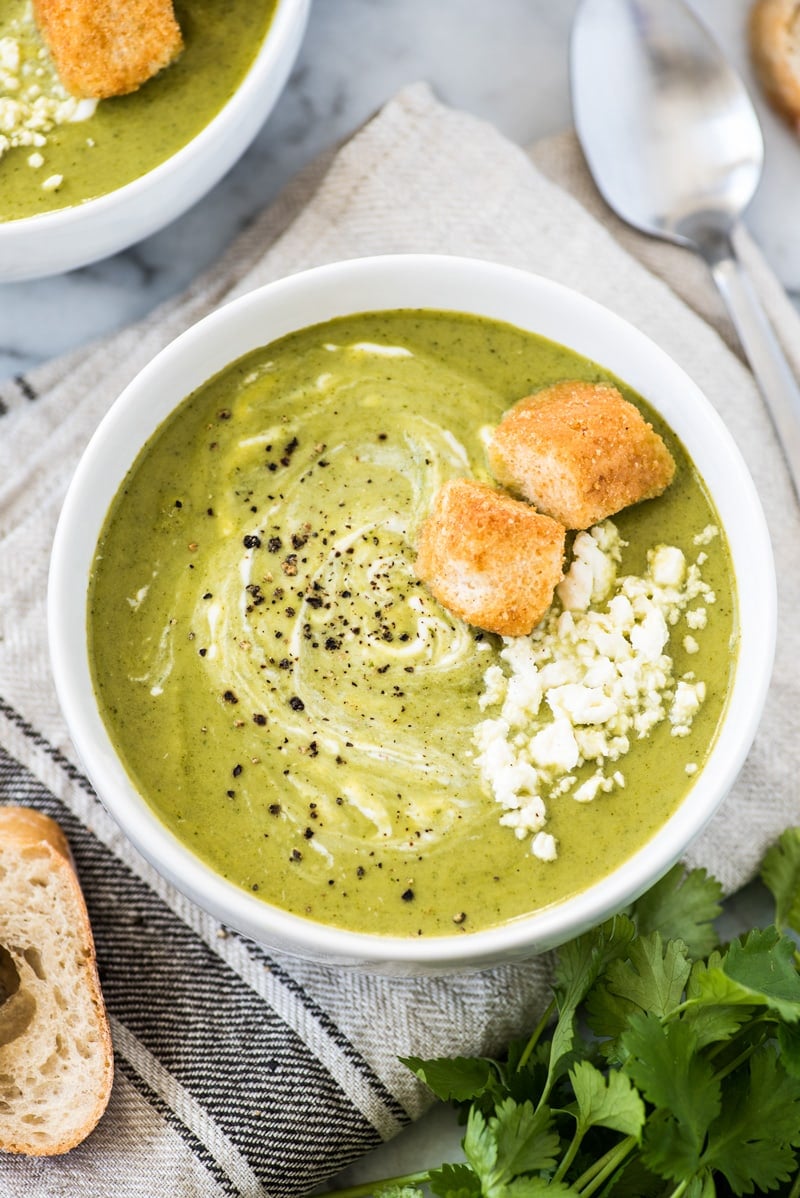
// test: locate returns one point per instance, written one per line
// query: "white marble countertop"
(505, 61)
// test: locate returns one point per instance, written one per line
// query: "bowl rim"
(280, 34)
(527, 934)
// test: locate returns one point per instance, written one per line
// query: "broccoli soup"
(56, 152)
(299, 709)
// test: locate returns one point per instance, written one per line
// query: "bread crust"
(490, 559)
(22, 826)
(774, 36)
(105, 48)
(36, 841)
(579, 452)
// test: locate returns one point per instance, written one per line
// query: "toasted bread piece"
(579, 452)
(56, 1059)
(107, 48)
(774, 34)
(490, 559)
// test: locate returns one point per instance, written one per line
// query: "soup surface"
(291, 700)
(129, 135)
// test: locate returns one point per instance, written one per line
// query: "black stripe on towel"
(197, 1147)
(27, 390)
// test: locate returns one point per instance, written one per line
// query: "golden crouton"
(107, 48)
(774, 33)
(490, 559)
(579, 452)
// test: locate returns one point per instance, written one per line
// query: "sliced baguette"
(56, 1059)
(774, 32)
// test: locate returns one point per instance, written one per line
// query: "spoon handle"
(772, 372)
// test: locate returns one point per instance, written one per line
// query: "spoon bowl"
(688, 152)
(673, 142)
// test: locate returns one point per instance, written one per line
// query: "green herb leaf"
(579, 964)
(672, 1146)
(611, 1101)
(651, 979)
(780, 873)
(682, 906)
(710, 1020)
(458, 1080)
(516, 1140)
(581, 961)
(454, 1181)
(663, 1062)
(535, 1187)
(757, 971)
(701, 1186)
(751, 1140)
(789, 1044)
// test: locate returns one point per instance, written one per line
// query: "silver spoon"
(675, 148)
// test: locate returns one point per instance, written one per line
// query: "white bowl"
(409, 281)
(71, 237)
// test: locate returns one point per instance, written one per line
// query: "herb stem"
(537, 1031)
(368, 1188)
(737, 1061)
(569, 1155)
(602, 1169)
(794, 1192)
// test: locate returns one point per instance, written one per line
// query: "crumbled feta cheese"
(591, 574)
(706, 536)
(544, 846)
(689, 696)
(32, 98)
(52, 182)
(588, 681)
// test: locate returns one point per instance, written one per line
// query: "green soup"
(289, 698)
(129, 135)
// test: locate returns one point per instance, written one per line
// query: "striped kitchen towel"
(240, 1073)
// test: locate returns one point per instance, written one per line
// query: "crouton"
(579, 452)
(489, 559)
(107, 48)
(774, 33)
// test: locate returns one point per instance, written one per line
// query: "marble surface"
(505, 61)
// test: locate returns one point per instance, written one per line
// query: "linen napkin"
(239, 1072)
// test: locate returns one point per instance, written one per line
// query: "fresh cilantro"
(455, 1080)
(666, 1066)
(682, 906)
(780, 873)
(517, 1140)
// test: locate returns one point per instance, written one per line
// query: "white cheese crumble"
(32, 98)
(594, 676)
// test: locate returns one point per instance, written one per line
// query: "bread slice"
(579, 452)
(490, 559)
(774, 33)
(56, 1060)
(105, 48)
